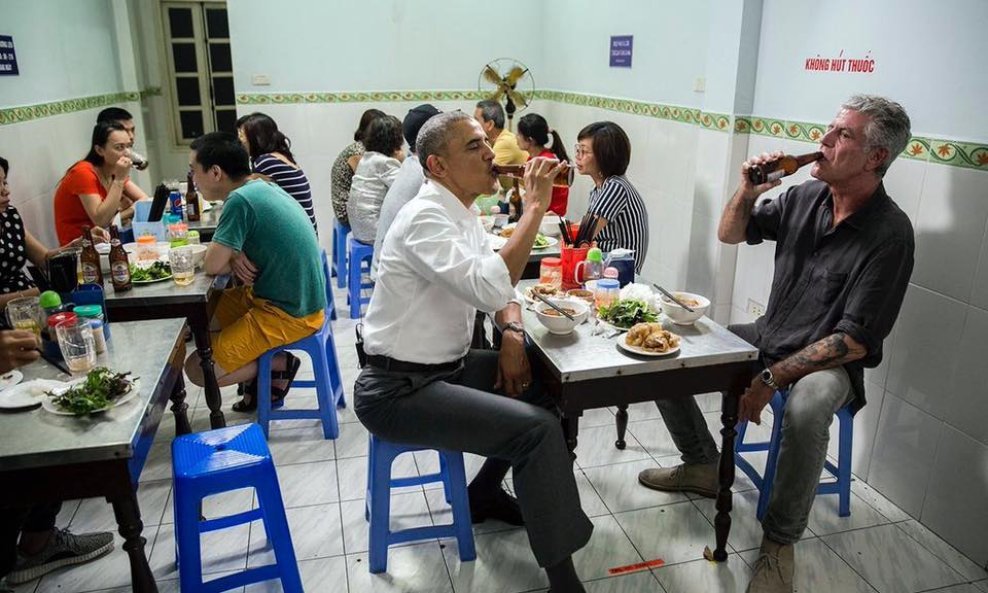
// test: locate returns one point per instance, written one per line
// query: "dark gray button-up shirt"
(850, 278)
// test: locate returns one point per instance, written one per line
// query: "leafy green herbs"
(541, 242)
(159, 270)
(97, 392)
(626, 313)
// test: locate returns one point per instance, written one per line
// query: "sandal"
(292, 365)
(249, 401)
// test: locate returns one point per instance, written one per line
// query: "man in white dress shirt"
(422, 383)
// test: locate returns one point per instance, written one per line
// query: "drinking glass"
(75, 338)
(25, 313)
(183, 265)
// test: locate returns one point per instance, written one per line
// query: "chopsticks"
(564, 230)
(672, 298)
(553, 305)
(54, 362)
(588, 227)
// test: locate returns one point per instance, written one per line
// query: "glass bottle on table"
(780, 167)
(192, 206)
(92, 272)
(119, 263)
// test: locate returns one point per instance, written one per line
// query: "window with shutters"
(200, 68)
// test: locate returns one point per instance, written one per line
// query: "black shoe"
(501, 506)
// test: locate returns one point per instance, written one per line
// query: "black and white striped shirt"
(618, 202)
(290, 179)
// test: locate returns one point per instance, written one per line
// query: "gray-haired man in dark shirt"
(843, 257)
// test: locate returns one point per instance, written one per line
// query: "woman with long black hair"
(271, 157)
(538, 139)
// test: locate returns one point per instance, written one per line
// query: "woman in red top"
(533, 135)
(91, 192)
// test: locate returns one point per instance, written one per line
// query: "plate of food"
(156, 272)
(625, 313)
(9, 379)
(541, 241)
(546, 290)
(27, 395)
(649, 339)
(99, 391)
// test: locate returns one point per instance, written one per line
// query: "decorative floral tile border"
(13, 115)
(944, 152)
(947, 152)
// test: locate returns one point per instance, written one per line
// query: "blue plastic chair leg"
(456, 474)
(844, 461)
(187, 538)
(380, 512)
(276, 528)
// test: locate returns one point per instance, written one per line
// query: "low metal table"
(584, 371)
(49, 458)
(165, 300)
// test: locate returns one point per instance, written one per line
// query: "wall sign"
(8, 61)
(621, 46)
(864, 65)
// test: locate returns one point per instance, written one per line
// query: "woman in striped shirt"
(271, 158)
(603, 152)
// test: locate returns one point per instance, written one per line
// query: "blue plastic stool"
(359, 253)
(328, 383)
(340, 232)
(377, 505)
(222, 460)
(842, 471)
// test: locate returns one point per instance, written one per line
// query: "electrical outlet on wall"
(755, 309)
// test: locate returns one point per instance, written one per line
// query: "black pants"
(457, 411)
(37, 519)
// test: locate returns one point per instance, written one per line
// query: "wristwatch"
(769, 379)
(513, 326)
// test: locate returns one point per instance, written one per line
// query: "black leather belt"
(386, 363)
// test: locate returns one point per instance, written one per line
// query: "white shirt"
(374, 175)
(436, 270)
(405, 187)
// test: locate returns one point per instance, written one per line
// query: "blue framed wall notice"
(8, 59)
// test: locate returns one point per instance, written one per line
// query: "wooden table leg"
(179, 407)
(571, 427)
(200, 330)
(622, 426)
(722, 522)
(128, 516)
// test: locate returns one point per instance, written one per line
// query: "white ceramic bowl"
(557, 324)
(681, 316)
(198, 254)
(550, 225)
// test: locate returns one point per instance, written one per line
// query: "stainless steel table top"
(38, 438)
(581, 356)
(166, 292)
(207, 220)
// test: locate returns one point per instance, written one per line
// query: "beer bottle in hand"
(564, 178)
(781, 167)
(191, 200)
(92, 272)
(119, 264)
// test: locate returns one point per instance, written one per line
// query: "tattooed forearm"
(833, 350)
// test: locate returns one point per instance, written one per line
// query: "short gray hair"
(888, 128)
(435, 135)
(491, 110)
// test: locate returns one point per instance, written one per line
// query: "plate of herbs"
(99, 391)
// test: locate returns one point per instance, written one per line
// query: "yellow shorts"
(250, 326)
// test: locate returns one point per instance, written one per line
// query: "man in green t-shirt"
(265, 239)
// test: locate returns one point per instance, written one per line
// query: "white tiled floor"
(878, 548)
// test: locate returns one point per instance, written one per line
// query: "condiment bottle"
(607, 292)
(551, 271)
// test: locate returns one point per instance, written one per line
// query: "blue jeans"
(813, 401)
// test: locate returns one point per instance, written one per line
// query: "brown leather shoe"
(774, 569)
(698, 479)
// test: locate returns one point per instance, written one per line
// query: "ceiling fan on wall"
(509, 80)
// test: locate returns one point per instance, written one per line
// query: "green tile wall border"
(968, 155)
(14, 115)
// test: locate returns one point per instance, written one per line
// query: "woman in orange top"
(533, 135)
(91, 192)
